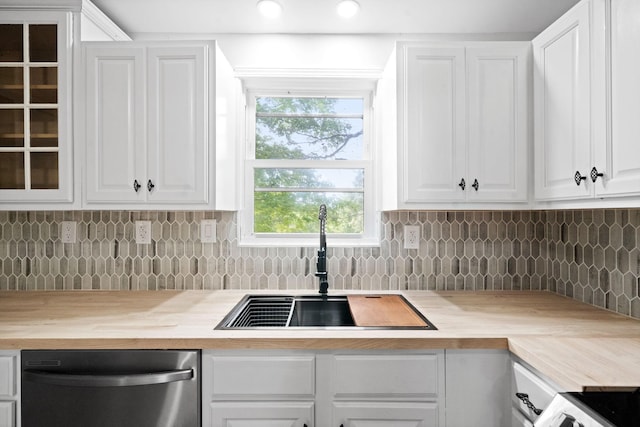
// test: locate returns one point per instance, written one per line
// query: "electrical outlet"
(412, 237)
(208, 231)
(143, 232)
(68, 232)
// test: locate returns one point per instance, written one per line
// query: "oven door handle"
(106, 380)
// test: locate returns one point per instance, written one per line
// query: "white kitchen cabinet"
(385, 389)
(9, 389)
(462, 123)
(478, 386)
(374, 414)
(498, 134)
(562, 106)
(526, 385)
(323, 389)
(35, 107)
(150, 124)
(617, 62)
(241, 389)
(263, 414)
(431, 122)
(587, 103)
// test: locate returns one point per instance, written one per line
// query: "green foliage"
(301, 138)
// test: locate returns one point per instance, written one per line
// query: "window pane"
(309, 128)
(44, 128)
(11, 85)
(11, 43)
(291, 212)
(44, 85)
(43, 43)
(44, 171)
(11, 128)
(12, 171)
(308, 178)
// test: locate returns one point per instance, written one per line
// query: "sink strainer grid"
(268, 312)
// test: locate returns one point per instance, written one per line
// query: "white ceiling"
(318, 16)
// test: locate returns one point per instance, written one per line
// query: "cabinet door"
(562, 115)
(178, 144)
(7, 414)
(497, 112)
(432, 128)
(35, 107)
(261, 414)
(376, 414)
(115, 143)
(619, 156)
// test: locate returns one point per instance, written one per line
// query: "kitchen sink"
(318, 311)
(301, 311)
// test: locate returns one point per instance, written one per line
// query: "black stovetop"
(619, 408)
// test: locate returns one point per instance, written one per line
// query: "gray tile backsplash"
(589, 255)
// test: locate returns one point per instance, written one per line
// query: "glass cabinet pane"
(12, 171)
(43, 43)
(44, 128)
(11, 85)
(43, 85)
(44, 171)
(11, 43)
(11, 128)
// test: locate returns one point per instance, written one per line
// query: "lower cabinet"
(324, 389)
(9, 389)
(528, 391)
(478, 385)
(375, 414)
(268, 414)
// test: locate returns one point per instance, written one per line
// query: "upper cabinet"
(38, 99)
(35, 107)
(587, 100)
(150, 124)
(617, 154)
(462, 124)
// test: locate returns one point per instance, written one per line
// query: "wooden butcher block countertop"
(575, 344)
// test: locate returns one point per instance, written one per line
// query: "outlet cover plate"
(208, 231)
(68, 232)
(143, 232)
(412, 237)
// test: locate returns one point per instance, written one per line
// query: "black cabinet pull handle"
(136, 185)
(525, 399)
(150, 186)
(578, 178)
(475, 184)
(462, 185)
(595, 174)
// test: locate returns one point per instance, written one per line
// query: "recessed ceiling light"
(347, 8)
(269, 8)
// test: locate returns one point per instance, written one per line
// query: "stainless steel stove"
(592, 409)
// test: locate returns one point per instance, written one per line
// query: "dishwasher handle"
(106, 380)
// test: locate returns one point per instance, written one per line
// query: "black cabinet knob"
(595, 174)
(136, 185)
(150, 186)
(462, 184)
(578, 178)
(475, 184)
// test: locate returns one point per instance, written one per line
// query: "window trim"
(363, 87)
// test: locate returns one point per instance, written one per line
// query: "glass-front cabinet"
(35, 125)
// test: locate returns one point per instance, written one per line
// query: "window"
(307, 148)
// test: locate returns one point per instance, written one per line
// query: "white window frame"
(308, 87)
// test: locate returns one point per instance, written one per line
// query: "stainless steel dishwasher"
(114, 388)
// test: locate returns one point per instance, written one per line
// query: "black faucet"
(321, 264)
